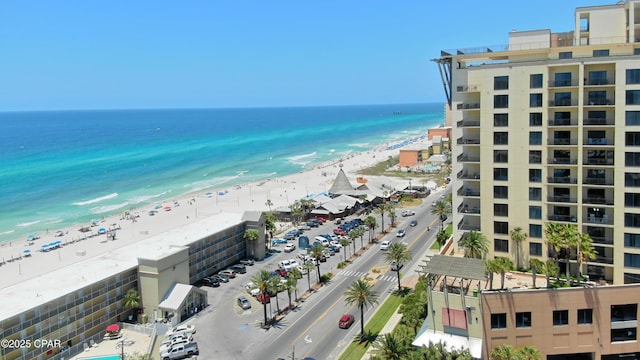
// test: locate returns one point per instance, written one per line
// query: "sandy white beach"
(282, 191)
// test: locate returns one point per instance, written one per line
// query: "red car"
(338, 231)
(321, 219)
(345, 321)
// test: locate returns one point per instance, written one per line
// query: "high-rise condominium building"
(546, 130)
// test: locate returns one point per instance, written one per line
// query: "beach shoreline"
(187, 208)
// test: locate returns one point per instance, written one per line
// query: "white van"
(322, 240)
(285, 265)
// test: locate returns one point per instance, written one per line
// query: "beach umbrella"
(26, 251)
(113, 328)
(167, 208)
(44, 247)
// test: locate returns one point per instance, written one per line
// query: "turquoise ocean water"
(65, 168)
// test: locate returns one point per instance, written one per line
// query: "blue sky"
(184, 54)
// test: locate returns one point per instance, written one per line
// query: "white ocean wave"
(29, 223)
(360, 145)
(301, 159)
(7, 232)
(108, 208)
(210, 183)
(145, 198)
(98, 199)
(54, 221)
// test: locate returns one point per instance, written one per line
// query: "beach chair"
(93, 343)
(86, 347)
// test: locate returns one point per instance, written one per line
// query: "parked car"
(385, 245)
(244, 303)
(181, 329)
(174, 341)
(304, 227)
(413, 223)
(346, 321)
(239, 268)
(322, 219)
(220, 278)
(180, 351)
(247, 262)
(330, 251)
(302, 270)
(400, 233)
(338, 231)
(285, 265)
(289, 248)
(314, 222)
(230, 273)
(281, 272)
(207, 281)
(289, 236)
(335, 248)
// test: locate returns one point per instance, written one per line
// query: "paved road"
(310, 331)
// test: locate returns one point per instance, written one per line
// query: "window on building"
(632, 118)
(632, 260)
(598, 98)
(500, 227)
(631, 200)
(500, 209)
(562, 79)
(501, 101)
(632, 220)
(535, 100)
(596, 117)
(627, 334)
(535, 81)
(632, 138)
(535, 212)
(535, 119)
(630, 278)
(500, 120)
(500, 245)
(632, 159)
(535, 249)
(499, 321)
(535, 175)
(560, 317)
(631, 240)
(535, 157)
(501, 83)
(523, 319)
(632, 179)
(500, 192)
(598, 78)
(535, 194)
(562, 118)
(633, 76)
(585, 316)
(535, 138)
(500, 138)
(501, 174)
(565, 55)
(600, 53)
(562, 99)
(633, 97)
(535, 231)
(500, 156)
(636, 51)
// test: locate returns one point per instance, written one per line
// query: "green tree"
(381, 210)
(504, 265)
(392, 214)
(475, 245)
(132, 301)
(491, 267)
(262, 281)
(269, 204)
(537, 266)
(585, 252)
(503, 352)
(518, 236)
(390, 347)
(308, 267)
(290, 286)
(550, 268)
(561, 238)
(352, 236)
(371, 222)
(251, 235)
(529, 353)
(296, 211)
(317, 251)
(345, 245)
(270, 220)
(361, 294)
(295, 275)
(360, 230)
(274, 287)
(441, 238)
(442, 209)
(399, 254)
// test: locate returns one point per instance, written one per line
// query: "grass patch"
(356, 350)
(435, 246)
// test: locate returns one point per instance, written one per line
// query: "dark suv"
(210, 282)
(239, 268)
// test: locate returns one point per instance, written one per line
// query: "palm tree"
(269, 203)
(296, 211)
(270, 220)
(308, 266)
(585, 252)
(491, 267)
(518, 236)
(503, 352)
(262, 282)
(345, 244)
(132, 300)
(317, 250)
(353, 235)
(380, 210)
(504, 264)
(475, 245)
(371, 222)
(390, 347)
(442, 209)
(392, 214)
(561, 237)
(536, 266)
(399, 254)
(360, 294)
(294, 275)
(360, 230)
(551, 268)
(441, 238)
(251, 235)
(291, 285)
(275, 286)
(529, 353)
